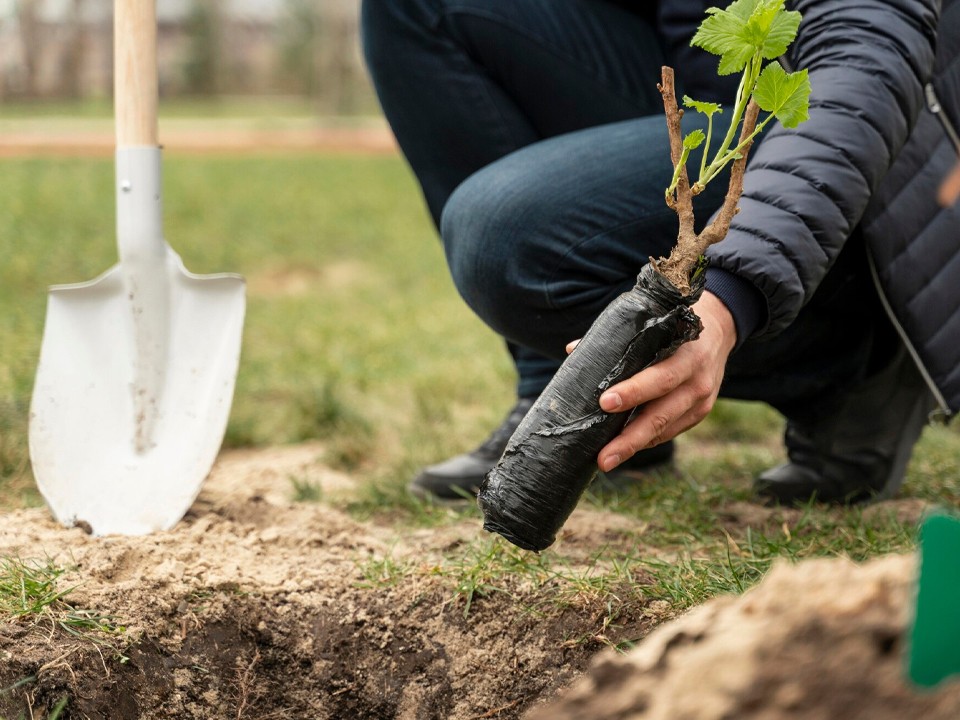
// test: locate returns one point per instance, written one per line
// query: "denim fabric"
(465, 82)
(536, 131)
(540, 241)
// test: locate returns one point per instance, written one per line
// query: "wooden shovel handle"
(135, 71)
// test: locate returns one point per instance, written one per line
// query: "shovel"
(137, 367)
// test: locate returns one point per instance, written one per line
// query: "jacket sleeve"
(806, 189)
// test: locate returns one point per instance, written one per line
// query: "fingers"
(676, 393)
(655, 424)
(571, 346)
(654, 382)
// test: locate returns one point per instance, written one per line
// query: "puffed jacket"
(881, 137)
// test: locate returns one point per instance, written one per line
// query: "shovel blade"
(87, 461)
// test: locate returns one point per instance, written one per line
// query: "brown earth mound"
(822, 640)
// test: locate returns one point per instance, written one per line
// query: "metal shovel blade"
(136, 376)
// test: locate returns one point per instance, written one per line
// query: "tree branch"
(717, 230)
(690, 246)
(681, 201)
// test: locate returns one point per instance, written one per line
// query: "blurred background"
(277, 165)
(305, 50)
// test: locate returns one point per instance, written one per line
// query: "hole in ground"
(396, 652)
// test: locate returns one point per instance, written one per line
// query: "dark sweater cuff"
(743, 300)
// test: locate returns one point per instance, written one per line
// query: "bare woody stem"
(690, 246)
(717, 230)
(681, 200)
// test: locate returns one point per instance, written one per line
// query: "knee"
(487, 230)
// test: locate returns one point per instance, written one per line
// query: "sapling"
(551, 457)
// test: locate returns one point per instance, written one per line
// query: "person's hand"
(677, 393)
(950, 189)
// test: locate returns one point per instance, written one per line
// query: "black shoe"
(459, 477)
(859, 452)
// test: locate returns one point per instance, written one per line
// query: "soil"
(820, 640)
(256, 607)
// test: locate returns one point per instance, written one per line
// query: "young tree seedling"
(746, 35)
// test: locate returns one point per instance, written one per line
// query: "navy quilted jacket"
(886, 92)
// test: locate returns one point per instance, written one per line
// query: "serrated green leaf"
(760, 22)
(707, 108)
(745, 28)
(724, 33)
(734, 61)
(786, 95)
(780, 34)
(744, 9)
(694, 139)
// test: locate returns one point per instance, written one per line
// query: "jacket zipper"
(933, 104)
(941, 413)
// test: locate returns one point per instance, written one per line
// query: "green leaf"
(707, 108)
(724, 33)
(760, 21)
(694, 139)
(744, 9)
(780, 34)
(744, 29)
(786, 95)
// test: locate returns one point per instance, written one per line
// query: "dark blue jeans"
(536, 131)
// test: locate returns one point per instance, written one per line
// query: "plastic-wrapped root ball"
(552, 456)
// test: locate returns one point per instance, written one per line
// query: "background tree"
(202, 67)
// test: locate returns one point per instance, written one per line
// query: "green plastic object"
(935, 641)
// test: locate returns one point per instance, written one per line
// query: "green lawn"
(266, 107)
(355, 335)
(354, 332)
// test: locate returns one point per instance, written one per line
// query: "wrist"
(717, 320)
(743, 300)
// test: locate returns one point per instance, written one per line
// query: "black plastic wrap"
(552, 456)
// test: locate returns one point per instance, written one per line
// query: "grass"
(306, 491)
(31, 591)
(356, 336)
(354, 333)
(29, 588)
(277, 108)
(383, 570)
(490, 565)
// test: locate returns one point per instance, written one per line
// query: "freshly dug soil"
(258, 607)
(821, 640)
